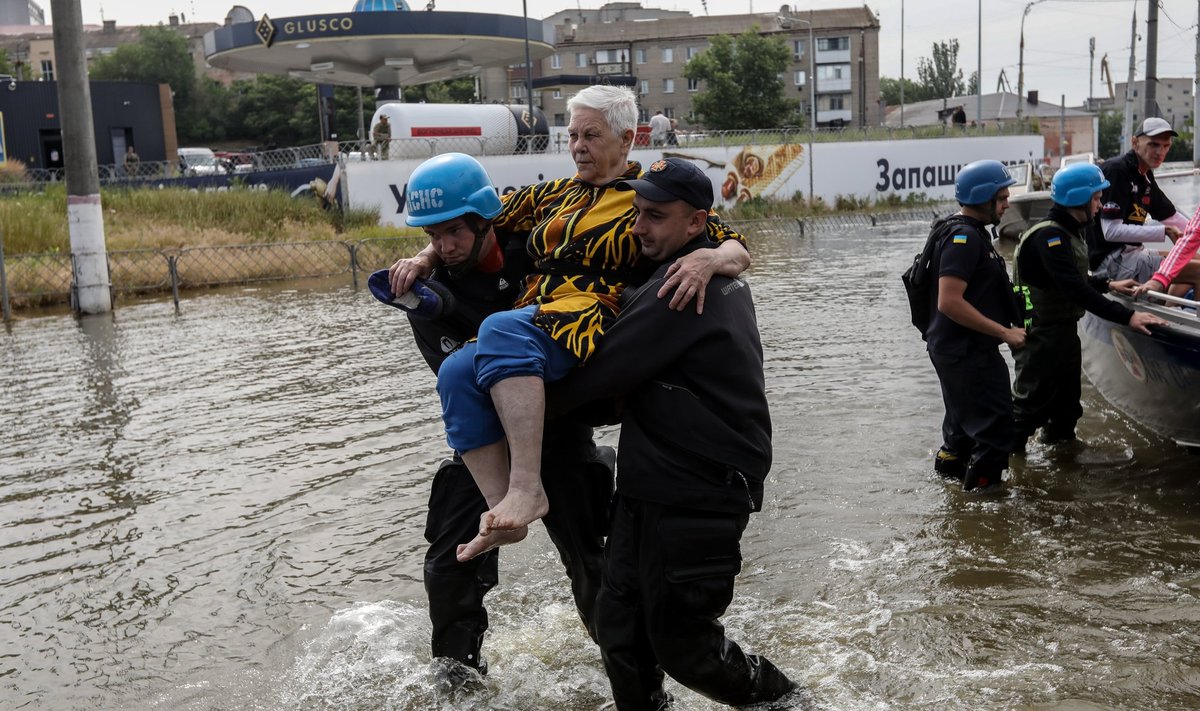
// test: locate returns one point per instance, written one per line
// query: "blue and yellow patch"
(1053, 241)
(960, 239)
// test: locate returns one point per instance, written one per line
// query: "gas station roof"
(369, 49)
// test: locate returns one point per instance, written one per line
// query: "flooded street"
(224, 508)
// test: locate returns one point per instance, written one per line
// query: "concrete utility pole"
(85, 218)
(1196, 99)
(979, 70)
(1127, 124)
(1151, 62)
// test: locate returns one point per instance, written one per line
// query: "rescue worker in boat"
(972, 314)
(1116, 248)
(1050, 271)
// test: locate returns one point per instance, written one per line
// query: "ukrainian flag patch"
(960, 239)
(1053, 241)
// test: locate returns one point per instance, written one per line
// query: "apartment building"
(1172, 94)
(21, 12)
(624, 43)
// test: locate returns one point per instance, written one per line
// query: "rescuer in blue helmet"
(1050, 270)
(971, 313)
(451, 198)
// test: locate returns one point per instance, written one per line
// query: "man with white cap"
(1115, 244)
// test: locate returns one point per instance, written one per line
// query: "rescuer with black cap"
(694, 450)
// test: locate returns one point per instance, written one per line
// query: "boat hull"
(1024, 211)
(1154, 379)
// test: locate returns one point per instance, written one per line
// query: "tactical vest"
(1047, 305)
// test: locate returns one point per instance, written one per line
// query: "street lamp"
(812, 89)
(1021, 61)
(528, 79)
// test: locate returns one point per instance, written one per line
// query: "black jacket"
(1131, 197)
(477, 295)
(1054, 267)
(695, 428)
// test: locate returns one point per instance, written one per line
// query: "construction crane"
(1106, 75)
(1002, 83)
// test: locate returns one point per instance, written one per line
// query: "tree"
(1109, 143)
(159, 56)
(942, 76)
(454, 91)
(889, 91)
(275, 111)
(742, 89)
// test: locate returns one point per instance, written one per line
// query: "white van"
(199, 161)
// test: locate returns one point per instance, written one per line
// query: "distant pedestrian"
(660, 125)
(132, 161)
(381, 136)
(959, 118)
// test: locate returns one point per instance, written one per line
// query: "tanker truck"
(425, 130)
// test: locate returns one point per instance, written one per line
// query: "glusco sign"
(323, 24)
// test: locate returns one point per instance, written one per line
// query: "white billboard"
(868, 169)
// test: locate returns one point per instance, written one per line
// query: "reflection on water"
(224, 509)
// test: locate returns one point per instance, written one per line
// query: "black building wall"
(122, 113)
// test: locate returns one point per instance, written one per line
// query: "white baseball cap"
(1154, 126)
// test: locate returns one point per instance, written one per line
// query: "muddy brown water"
(223, 509)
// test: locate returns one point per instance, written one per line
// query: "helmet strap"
(480, 229)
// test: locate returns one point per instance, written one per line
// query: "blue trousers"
(509, 346)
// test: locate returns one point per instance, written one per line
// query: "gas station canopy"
(393, 47)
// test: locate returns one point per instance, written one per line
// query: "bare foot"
(484, 542)
(519, 508)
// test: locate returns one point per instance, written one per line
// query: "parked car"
(199, 161)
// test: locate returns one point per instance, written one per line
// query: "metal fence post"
(173, 270)
(4, 308)
(353, 247)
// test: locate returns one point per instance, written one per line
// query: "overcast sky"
(1056, 31)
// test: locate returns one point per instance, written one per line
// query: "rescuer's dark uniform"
(1050, 266)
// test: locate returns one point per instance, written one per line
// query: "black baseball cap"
(672, 179)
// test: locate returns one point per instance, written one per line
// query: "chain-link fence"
(45, 279)
(243, 162)
(31, 280)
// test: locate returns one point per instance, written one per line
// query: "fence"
(32, 280)
(243, 162)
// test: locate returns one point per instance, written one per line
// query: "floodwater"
(223, 509)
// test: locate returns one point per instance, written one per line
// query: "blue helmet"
(1075, 185)
(979, 182)
(448, 186)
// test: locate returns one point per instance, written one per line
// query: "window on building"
(644, 87)
(557, 93)
(693, 85)
(798, 78)
(516, 91)
(832, 44)
(48, 69)
(604, 56)
(693, 51)
(833, 71)
(669, 112)
(668, 86)
(837, 102)
(560, 119)
(581, 59)
(797, 49)
(639, 56)
(668, 55)
(556, 62)
(643, 115)
(691, 117)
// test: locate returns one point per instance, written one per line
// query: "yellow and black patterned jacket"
(584, 254)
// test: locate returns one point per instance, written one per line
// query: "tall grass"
(148, 218)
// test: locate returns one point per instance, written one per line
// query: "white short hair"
(617, 103)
